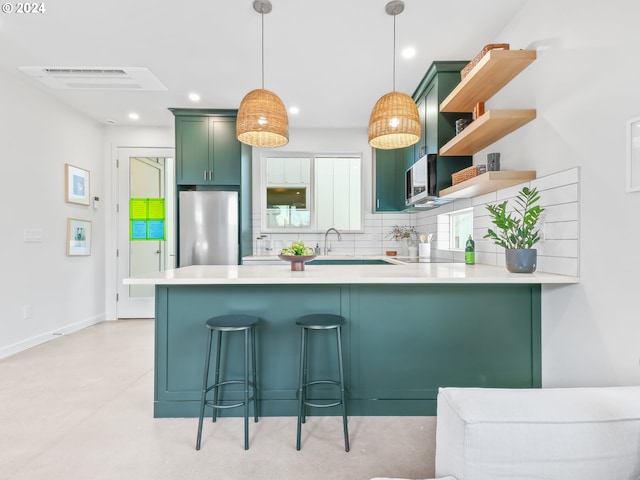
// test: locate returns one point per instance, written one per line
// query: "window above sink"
(311, 192)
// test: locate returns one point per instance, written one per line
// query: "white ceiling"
(331, 58)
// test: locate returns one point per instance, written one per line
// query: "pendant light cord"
(394, 52)
(262, 17)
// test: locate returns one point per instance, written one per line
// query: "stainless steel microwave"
(421, 181)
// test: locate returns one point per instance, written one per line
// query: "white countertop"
(399, 273)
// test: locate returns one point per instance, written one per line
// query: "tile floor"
(80, 407)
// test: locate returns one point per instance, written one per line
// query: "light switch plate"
(33, 235)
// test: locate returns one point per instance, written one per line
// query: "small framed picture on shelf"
(633, 155)
(77, 186)
(78, 237)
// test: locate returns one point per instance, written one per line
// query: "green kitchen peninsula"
(412, 328)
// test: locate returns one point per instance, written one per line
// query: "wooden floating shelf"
(485, 130)
(486, 183)
(494, 71)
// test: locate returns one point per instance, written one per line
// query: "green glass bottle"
(470, 252)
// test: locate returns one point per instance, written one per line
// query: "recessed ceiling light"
(409, 52)
(294, 110)
(194, 97)
(134, 116)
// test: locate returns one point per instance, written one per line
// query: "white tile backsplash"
(558, 252)
(559, 179)
(560, 230)
(558, 248)
(565, 212)
(372, 241)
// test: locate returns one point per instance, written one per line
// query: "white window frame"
(313, 227)
(446, 230)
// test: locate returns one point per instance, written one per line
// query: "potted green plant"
(409, 235)
(516, 231)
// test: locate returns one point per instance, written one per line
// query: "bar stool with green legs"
(229, 324)
(308, 323)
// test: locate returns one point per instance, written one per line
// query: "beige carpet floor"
(80, 407)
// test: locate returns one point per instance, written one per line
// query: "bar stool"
(228, 324)
(321, 321)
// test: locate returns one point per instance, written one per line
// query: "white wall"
(584, 86)
(38, 136)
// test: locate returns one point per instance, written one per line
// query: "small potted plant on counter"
(297, 254)
(409, 235)
(516, 231)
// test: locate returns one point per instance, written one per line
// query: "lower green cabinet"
(401, 342)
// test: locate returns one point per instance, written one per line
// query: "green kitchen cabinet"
(437, 128)
(419, 149)
(207, 150)
(402, 342)
(389, 182)
(390, 166)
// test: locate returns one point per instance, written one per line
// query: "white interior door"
(143, 174)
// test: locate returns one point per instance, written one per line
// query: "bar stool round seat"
(229, 324)
(308, 323)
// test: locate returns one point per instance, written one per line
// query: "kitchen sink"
(349, 261)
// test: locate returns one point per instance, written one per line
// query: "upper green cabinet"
(437, 128)
(207, 150)
(420, 149)
(389, 170)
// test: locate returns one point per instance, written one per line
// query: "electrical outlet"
(26, 312)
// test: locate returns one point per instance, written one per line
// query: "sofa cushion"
(564, 433)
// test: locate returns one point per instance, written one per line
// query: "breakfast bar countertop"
(395, 273)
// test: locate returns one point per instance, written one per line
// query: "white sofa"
(550, 433)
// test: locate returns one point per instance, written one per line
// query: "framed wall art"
(77, 186)
(78, 237)
(633, 155)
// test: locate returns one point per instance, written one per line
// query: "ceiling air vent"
(96, 78)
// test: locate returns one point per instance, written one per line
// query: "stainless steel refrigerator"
(208, 228)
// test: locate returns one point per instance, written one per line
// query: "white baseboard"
(48, 336)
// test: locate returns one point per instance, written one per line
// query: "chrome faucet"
(326, 245)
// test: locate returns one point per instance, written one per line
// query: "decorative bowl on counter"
(297, 261)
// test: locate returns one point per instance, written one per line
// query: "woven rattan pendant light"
(262, 119)
(394, 121)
